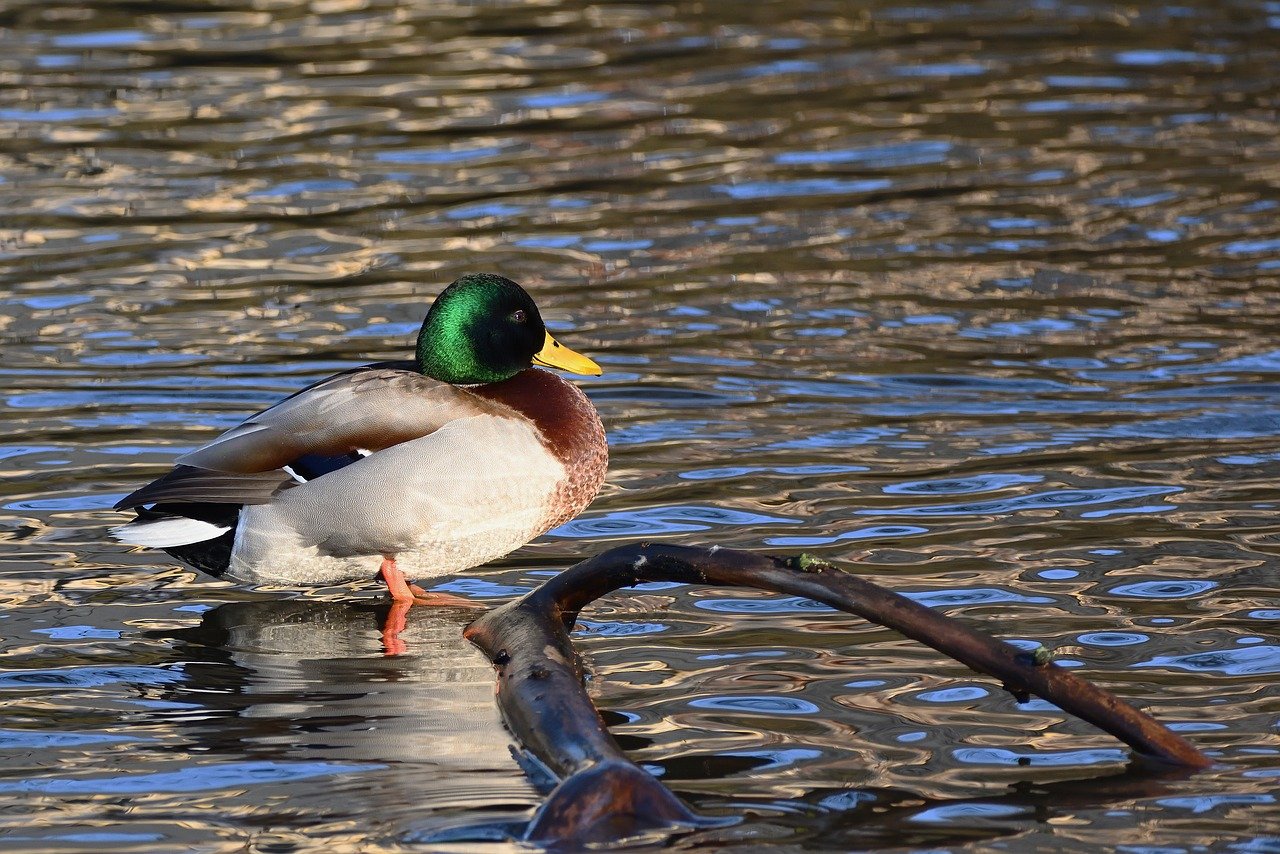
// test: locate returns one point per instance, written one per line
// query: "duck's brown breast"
(570, 429)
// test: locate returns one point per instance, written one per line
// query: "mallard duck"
(410, 469)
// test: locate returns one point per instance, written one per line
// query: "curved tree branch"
(605, 796)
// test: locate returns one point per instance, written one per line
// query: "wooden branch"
(603, 796)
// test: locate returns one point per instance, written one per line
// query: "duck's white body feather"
(487, 491)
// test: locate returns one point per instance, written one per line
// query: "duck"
(402, 470)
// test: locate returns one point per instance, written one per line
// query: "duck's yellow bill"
(555, 355)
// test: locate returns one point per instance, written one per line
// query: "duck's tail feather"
(190, 485)
(168, 532)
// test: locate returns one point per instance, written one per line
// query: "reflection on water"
(272, 710)
(979, 297)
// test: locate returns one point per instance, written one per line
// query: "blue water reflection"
(929, 598)
(772, 605)
(78, 632)
(1002, 756)
(872, 532)
(1113, 638)
(1036, 501)
(89, 677)
(16, 739)
(617, 630)
(758, 653)
(884, 156)
(197, 778)
(663, 520)
(1247, 661)
(953, 695)
(780, 758)
(741, 471)
(756, 705)
(1163, 589)
(961, 486)
(960, 813)
(1204, 803)
(764, 190)
(973, 596)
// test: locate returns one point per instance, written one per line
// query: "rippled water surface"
(980, 296)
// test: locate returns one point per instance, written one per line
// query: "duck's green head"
(485, 329)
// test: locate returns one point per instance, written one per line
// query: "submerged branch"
(604, 796)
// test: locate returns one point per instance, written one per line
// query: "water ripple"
(873, 532)
(1052, 499)
(89, 677)
(14, 739)
(1246, 661)
(482, 588)
(1204, 803)
(727, 472)
(783, 605)
(765, 190)
(961, 486)
(1163, 589)
(618, 630)
(964, 813)
(201, 778)
(77, 632)
(953, 695)
(1001, 756)
(1113, 638)
(756, 705)
(663, 520)
(780, 758)
(973, 596)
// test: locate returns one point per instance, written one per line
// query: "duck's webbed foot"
(426, 597)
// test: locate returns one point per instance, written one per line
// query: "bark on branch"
(603, 796)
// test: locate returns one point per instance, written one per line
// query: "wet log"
(602, 796)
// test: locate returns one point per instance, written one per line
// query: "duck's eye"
(519, 316)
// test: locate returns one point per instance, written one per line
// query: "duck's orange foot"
(426, 597)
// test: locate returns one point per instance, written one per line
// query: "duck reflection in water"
(305, 680)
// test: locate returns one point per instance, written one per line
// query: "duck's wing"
(187, 484)
(319, 428)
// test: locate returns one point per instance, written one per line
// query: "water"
(980, 297)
